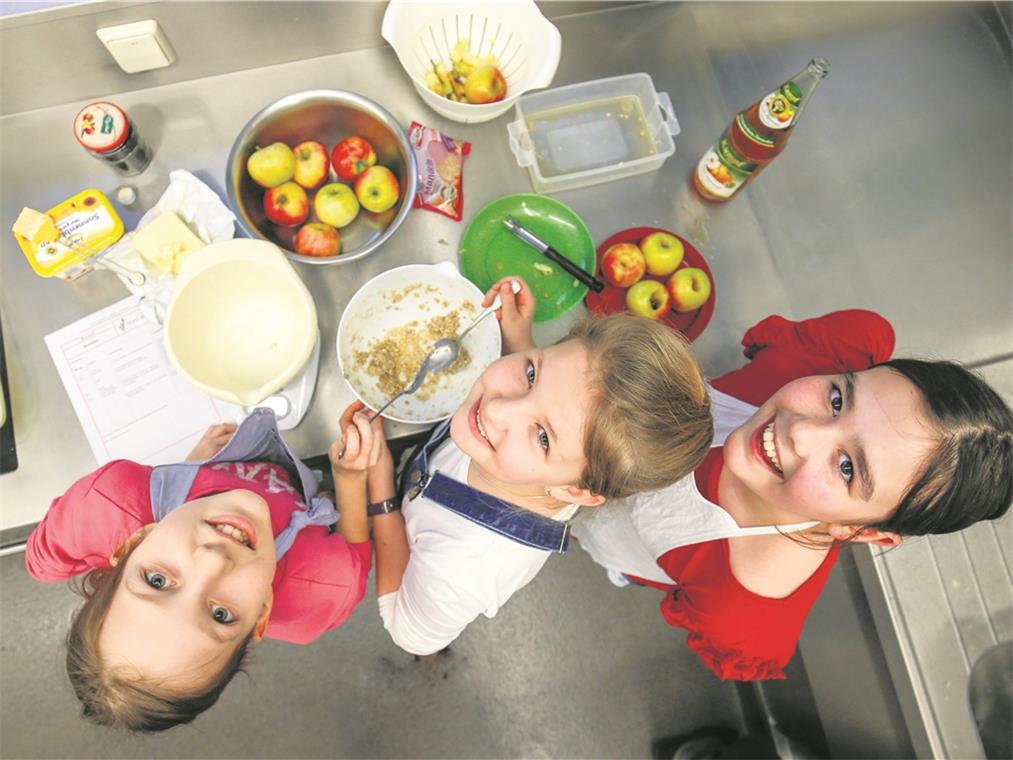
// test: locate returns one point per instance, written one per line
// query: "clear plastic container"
(593, 132)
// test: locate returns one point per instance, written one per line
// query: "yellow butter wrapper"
(87, 223)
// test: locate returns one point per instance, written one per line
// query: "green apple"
(335, 204)
(648, 298)
(271, 166)
(689, 288)
(662, 252)
(377, 189)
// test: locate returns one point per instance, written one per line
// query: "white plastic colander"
(525, 43)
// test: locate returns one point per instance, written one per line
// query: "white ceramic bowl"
(382, 305)
(240, 323)
(526, 45)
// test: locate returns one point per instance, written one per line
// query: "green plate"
(489, 251)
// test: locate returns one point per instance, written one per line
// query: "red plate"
(613, 299)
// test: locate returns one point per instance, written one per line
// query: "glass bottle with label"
(756, 135)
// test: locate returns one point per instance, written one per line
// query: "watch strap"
(384, 507)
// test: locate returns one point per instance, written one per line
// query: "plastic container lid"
(101, 127)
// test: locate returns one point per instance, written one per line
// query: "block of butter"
(37, 228)
(164, 242)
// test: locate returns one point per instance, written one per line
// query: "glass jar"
(103, 129)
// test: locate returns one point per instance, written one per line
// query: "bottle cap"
(126, 195)
(101, 127)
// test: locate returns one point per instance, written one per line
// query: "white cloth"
(457, 569)
(629, 535)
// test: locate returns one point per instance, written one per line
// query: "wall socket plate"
(138, 46)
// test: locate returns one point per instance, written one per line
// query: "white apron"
(629, 535)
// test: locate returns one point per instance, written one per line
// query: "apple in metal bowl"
(327, 117)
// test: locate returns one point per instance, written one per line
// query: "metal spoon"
(437, 359)
(446, 350)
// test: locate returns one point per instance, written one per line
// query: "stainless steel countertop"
(894, 193)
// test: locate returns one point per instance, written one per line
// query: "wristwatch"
(384, 507)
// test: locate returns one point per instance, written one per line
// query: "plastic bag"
(441, 170)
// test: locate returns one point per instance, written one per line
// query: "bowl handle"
(520, 144)
(667, 114)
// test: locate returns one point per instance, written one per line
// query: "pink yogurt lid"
(101, 127)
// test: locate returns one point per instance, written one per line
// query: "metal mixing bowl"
(326, 116)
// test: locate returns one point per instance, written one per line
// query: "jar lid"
(101, 127)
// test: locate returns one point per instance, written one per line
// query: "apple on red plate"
(673, 266)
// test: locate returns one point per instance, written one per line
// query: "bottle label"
(750, 133)
(722, 171)
(779, 108)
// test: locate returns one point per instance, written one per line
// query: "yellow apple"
(335, 204)
(689, 288)
(648, 298)
(377, 189)
(662, 252)
(485, 84)
(271, 166)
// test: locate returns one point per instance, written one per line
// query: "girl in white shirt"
(615, 408)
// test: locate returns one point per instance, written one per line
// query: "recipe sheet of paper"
(126, 393)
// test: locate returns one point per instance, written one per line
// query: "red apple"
(622, 264)
(335, 204)
(317, 239)
(485, 84)
(351, 157)
(286, 204)
(648, 298)
(690, 288)
(663, 253)
(311, 164)
(377, 189)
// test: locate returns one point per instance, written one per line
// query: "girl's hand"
(360, 446)
(213, 441)
(516, 314)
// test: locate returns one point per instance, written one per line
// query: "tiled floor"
(571, 667)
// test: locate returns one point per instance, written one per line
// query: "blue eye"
(836, 400)
(222, 614)
(530, 372)
(845, 466)
(156, 580)
(543, 438)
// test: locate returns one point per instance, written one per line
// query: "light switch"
(139, 46)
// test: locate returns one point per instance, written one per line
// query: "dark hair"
(969, 475)
(114, 698)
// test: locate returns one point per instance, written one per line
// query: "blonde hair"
(650, 423)
(111, 697)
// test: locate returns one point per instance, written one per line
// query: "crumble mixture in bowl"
(388, 328)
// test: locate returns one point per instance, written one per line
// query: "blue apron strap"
(509, 520)
(257, 439)
(412, 479)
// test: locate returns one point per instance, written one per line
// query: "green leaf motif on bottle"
(750, 132)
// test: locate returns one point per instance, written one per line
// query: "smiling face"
(522, 422)
(193, 589)
(840, 449)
